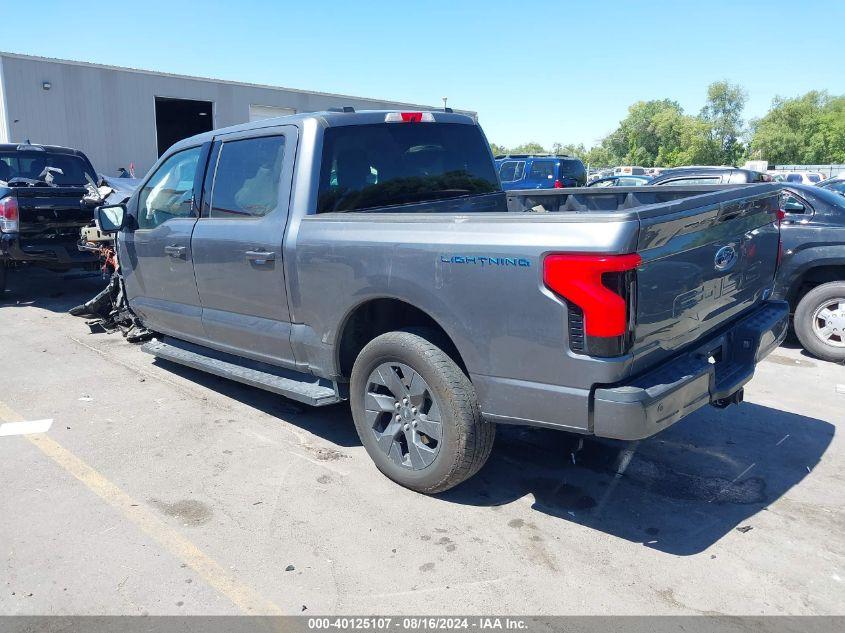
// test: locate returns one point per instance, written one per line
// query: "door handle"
(176, 251)
(260, 257)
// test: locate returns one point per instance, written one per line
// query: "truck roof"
(328, 118)
(26, 146)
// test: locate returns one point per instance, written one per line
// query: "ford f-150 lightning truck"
(374, 256)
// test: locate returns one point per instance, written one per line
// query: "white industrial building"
(122, 116)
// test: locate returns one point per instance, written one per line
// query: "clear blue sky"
(534, 71)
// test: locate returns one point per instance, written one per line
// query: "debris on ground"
(744, 529)
(109, 311)
(290, 568)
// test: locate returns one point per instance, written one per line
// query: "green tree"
(641, 130)
(598, 157)
(809, 129)
(570, 149)
(528, 148)
(498, 150)
(723, 113)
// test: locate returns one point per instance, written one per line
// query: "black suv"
(811, 275)
(41, 208)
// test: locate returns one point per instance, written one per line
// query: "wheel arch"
(813, 273)
(378, 315)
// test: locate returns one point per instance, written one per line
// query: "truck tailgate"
(702, 266)
(52, 212)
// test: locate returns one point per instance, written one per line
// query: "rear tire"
(417, 413)
(819, 321)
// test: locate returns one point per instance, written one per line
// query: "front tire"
(417, 413)
(819, 321)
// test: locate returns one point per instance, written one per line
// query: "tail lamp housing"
(600, 292)
(9, 215)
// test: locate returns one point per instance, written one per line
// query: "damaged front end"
(108, 311)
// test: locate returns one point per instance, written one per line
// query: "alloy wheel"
(403, 415)
(829, 322)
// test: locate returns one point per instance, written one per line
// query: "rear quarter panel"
(503, 321)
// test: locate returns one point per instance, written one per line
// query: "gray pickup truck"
(373, 256)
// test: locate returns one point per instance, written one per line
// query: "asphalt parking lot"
(162, 490)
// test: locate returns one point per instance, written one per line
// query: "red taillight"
(409, 117)
(781, 215)
(600, 287)
(9, 215)
(558, 184)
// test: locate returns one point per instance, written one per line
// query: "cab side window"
(170, 192)
(246, 180)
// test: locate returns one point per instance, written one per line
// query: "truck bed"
(681, 293)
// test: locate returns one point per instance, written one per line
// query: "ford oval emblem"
(726, 258)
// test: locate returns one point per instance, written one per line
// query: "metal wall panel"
(109, 113)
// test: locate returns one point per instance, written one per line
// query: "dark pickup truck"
(41, 208)
(374, 256)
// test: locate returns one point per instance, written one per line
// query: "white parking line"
(25, 427)
(223, 580)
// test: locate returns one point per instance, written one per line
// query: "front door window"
(169, 193)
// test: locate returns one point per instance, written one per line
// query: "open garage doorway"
(180, 118)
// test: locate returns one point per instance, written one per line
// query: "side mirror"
(111, 218)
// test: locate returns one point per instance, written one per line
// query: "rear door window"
(385, 165)
(512, 170)
(246, 179)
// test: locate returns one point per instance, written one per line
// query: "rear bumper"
(714, 372)
(59, 253)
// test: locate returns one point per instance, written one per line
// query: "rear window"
(835, 185)
(32, 164)
(794, 178)
(814, 177)
(390, 164)
(573, 168)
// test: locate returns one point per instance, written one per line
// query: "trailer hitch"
(735, 398)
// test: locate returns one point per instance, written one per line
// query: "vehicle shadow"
(331, 422)
(678, 492)
(53, 291)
